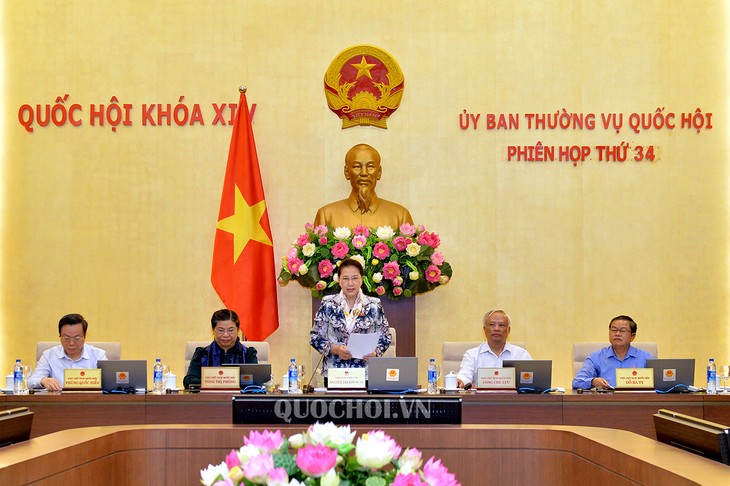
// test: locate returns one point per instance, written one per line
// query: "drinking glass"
(27, 371)
(724, 376)
(301, 371)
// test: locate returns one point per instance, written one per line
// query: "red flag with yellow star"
(244, 275)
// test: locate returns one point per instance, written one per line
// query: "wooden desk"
(477, 454)
(628, 411)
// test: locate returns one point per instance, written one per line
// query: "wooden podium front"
(401, 315)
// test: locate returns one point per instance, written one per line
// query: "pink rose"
(321, 285)
(411, 479)
(407, 229)
(325, 268)
(323, 240)
(293, 265)
(391, 270)
(316, 460)
(397, 291)
(257, 468)
(381, 250)
(362, 230)
(293, 252)
(437, 258)
(265, 441)
(281, 281)
(436, 474)
(380, 290)
(399, 243)
(433, 273)
(398, 280)
(359, 241)
(340, 250)
(303, 239)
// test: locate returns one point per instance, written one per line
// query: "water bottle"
(158, 385)
(293, 377)
(433, 376)
(18, 378)
(711, 377)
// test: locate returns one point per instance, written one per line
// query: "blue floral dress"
(330, 328)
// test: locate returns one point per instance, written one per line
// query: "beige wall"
(119, 226)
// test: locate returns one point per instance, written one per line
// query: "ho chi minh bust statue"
(363, 206)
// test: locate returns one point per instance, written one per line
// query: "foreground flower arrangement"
(397, 263)
(325, 455)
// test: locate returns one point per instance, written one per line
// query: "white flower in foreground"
(376, 449)
(308, 249)
(329, 434)
(384, 233)
(330, 478)
(212, 473)
(342, 233)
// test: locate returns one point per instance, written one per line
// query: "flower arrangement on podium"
(397, 263)
(325, 455)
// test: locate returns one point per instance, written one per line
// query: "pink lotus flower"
(316, 460)
(325, 268)
(391, 270)
(429, 239)
(278, 477)
(303, 239)
(359, 241)
(232, 459)
(257, 468)
(362, 230)
(308, 226)
(320, 230)
(400, 243)
(433, 273)
(411, 479)
(436, 474)
(407, 229)
(293, 265)
(437, 258)
(340, 250)
(265, 441)
(323, 240)
(381, 250)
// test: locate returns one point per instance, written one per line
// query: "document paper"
(362, 344)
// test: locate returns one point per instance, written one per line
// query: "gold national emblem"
(363, 86)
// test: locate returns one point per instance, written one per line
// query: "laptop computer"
(531, 375)
(672, 375)
(123, 375)
(253, 373)
(393, 375)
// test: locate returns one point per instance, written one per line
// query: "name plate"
(636, 378)
(495, 379)
(82, 378)
(346, 378)
(220, 378)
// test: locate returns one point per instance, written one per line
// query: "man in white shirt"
(73, 352)
(491, 353)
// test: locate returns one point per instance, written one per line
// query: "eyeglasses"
(623, 330)
(496, 325)
(68, 339)
(221, 332)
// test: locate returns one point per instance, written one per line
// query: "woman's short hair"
(349, 262)
(224, 315)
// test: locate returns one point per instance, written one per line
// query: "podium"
(401, 315)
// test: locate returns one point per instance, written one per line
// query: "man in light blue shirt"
(599, 369)
(73, 352)
(497, 326)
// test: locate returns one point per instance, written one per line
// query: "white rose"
(359, 259)
(444, 279)
(342, 233)
(384, 233)
(413, 275)
(377, 277)
(308, 249)
(413, 249)
(303, 269)
(296, 441)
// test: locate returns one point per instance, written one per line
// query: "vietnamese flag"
(244, 275)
